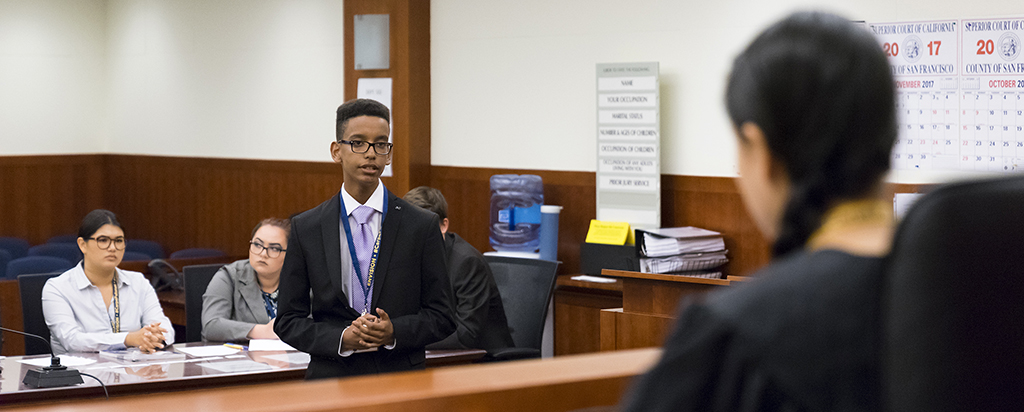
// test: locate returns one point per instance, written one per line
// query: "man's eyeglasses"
(272, 251)
(104, 242)
(359, 146)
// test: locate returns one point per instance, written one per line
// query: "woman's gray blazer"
(233, 304)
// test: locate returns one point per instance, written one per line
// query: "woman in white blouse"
(95, 306)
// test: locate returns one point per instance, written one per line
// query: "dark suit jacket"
(478, 309)
(410, 284)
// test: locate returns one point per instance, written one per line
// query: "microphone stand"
(51, 376)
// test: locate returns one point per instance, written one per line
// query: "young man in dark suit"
(479, 313)
(368, 266)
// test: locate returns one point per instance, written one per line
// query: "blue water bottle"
(515, 212)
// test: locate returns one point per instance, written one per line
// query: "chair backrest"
(525, 286)
(70, 238)
(69, 251)
(197, 278)
(148, 247)
(196, 253)
(136, 256)
(17, 246)
(31, 289)
(5, 258)
(953, 311)
(37, 264)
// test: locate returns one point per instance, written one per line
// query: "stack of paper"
(678, 240)
(689, 251)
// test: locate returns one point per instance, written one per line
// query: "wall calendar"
(960, 93)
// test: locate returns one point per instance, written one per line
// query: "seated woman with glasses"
(95, 306)
(241, 301)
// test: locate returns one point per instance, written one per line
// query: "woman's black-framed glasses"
(104, 242)
(272, 251)
(359, 146)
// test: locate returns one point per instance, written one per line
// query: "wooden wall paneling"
(205, 202)
(210, 202)
(409, 24)
(43, 196)
(714, 203)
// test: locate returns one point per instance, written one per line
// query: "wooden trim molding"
(212, 202)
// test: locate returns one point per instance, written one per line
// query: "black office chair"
(31, 290)
(525, 286)
(197, 278)
(954, 301)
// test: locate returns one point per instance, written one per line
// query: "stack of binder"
(687, 251)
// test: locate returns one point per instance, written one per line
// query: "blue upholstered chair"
(135, 256)
(69, 251)
(31, 265)
(196, 253)
(149, 247)
(5, 258)
(17, 246)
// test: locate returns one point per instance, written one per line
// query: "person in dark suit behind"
(812, 102)
(368, 266)
(478, 310)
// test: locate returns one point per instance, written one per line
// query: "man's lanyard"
(115, 324)
(366, 286)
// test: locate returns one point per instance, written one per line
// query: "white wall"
(224, 78)
(519, 76)
(512, 81)
(51, 76)
(210, 78)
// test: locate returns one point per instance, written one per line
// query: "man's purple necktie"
(363, 240)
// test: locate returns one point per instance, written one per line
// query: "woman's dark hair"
(284, 224)
(820, 89)
(95, 220)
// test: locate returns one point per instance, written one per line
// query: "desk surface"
(173, 373)
(563, 383)
(177, 373)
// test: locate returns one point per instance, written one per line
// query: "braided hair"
(820, 88)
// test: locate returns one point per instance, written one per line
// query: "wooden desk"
(173, 303)
(187, 373)
(145, 377)
(649, 304)
(555, 384)
(578, 307)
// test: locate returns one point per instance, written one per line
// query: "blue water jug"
(515, 212)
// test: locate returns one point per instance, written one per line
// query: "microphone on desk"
(51, 376)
